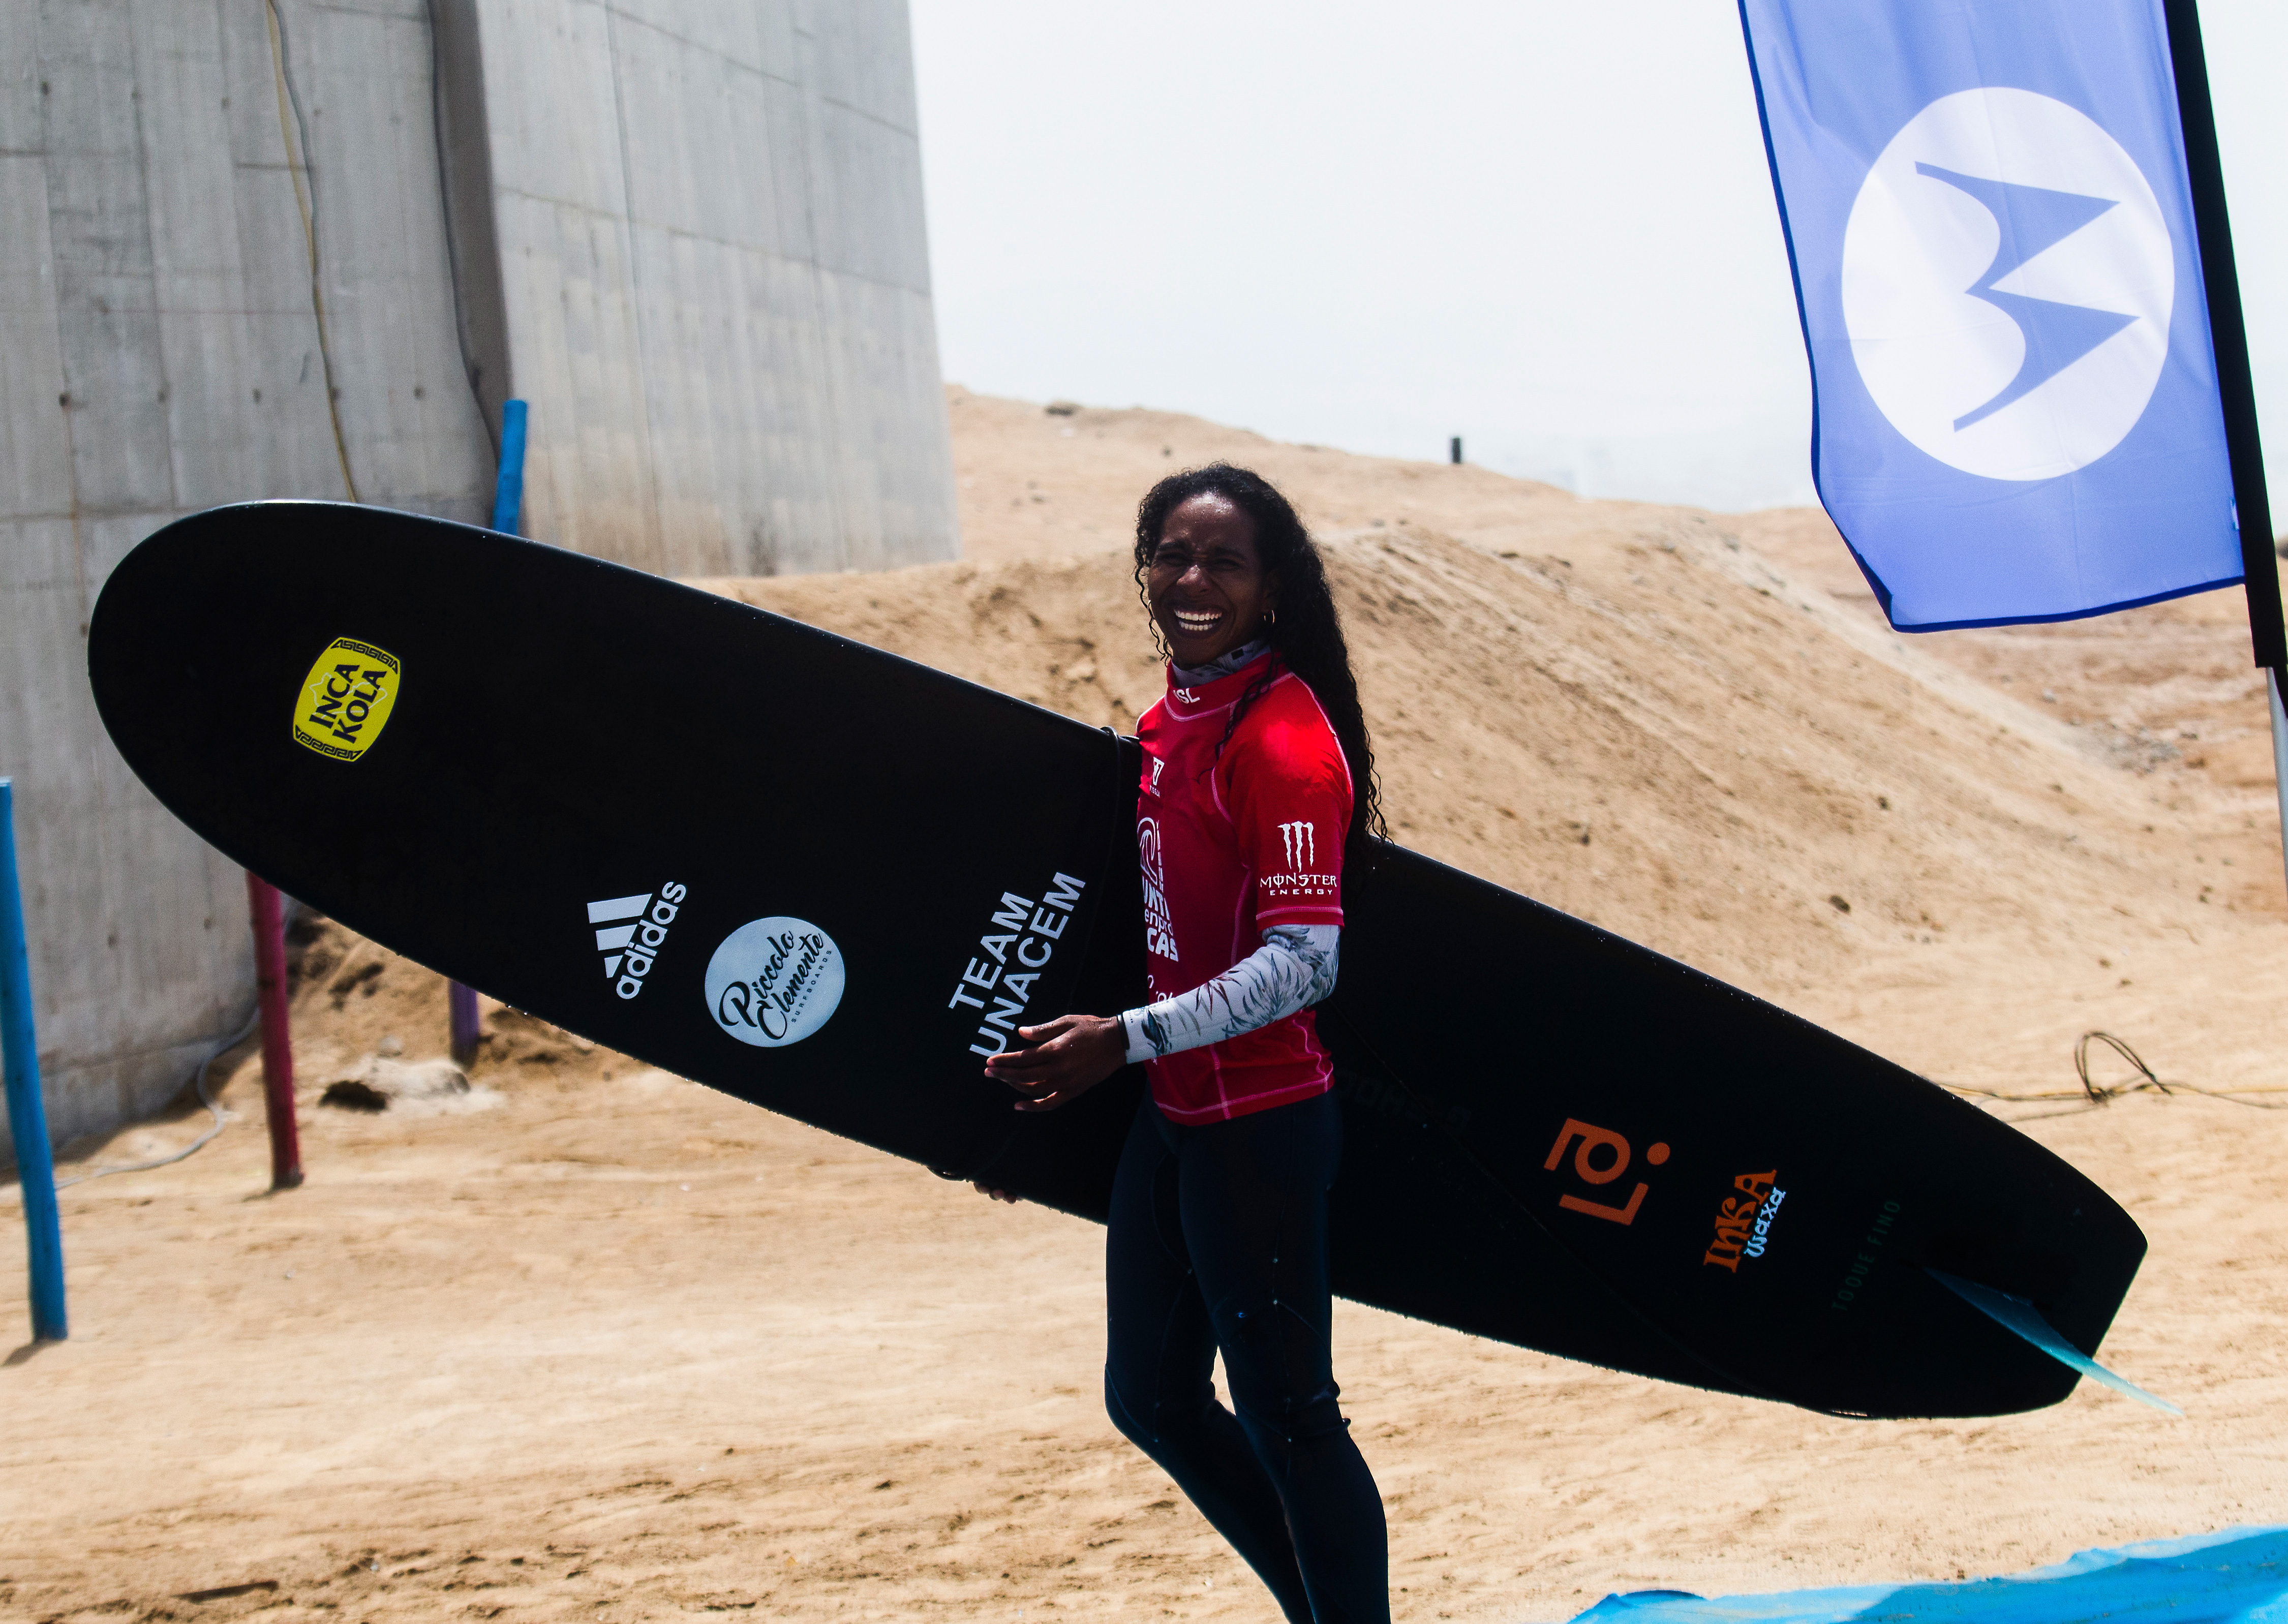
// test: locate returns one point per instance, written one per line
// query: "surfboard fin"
(2016, 1314)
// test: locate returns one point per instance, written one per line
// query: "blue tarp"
(2236, 1577)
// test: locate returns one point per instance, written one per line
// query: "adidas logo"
(635, 944)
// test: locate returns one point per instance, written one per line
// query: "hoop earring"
(1271, 617)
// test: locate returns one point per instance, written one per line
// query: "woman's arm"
(1293, 969)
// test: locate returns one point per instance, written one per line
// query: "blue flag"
(2015, 413)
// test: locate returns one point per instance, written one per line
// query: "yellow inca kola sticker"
(346, 700)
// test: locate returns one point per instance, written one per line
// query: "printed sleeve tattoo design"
(1293, 969)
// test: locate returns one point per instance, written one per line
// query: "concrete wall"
(159, 354)
(690, 231)
(712, 260)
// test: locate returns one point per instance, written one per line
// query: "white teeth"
(1202, 621)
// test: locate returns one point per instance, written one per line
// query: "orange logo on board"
(1737, 1229)
(1587, 1168)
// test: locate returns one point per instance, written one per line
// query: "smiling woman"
(1256, 782)
(1224, 513)
(1205, 582)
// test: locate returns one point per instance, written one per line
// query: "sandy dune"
(594, 1342)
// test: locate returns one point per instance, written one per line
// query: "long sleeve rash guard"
(1293, 969)
(1241, 839)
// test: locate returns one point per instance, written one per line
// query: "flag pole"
(2236, 384)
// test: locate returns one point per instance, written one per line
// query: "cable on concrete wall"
(291, 123)
(469, 367)
(213, 1108)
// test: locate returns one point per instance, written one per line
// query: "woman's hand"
(1069, 1056)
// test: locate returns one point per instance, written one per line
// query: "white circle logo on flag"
(775, 981)
(2007, 283)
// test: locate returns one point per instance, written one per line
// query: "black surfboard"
(828, 880)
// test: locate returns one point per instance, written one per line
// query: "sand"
(591, 1341)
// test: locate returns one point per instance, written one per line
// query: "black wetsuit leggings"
(1219, 1240)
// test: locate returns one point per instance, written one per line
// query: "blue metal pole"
(508, 502)
(508, 491)
(27, 1116)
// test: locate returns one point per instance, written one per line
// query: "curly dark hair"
(1307, 637)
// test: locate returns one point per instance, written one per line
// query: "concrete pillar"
(707, 219)
(159, 353)
(690, 231)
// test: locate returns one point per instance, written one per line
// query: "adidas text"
(630, 932)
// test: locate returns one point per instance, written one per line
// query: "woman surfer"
(1247, 803)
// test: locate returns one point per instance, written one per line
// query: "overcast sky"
(1546, 227)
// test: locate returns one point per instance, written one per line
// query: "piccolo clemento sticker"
(346, 700)
(775, 981)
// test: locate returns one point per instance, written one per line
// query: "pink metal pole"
(277, 1038)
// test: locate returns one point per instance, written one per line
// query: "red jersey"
(1232, 844)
